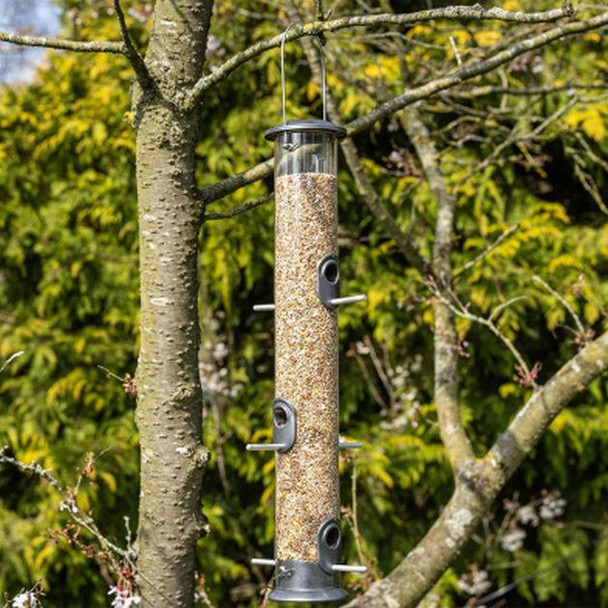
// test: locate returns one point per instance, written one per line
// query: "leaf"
(591, 119)
(110, 480)
(508, 389)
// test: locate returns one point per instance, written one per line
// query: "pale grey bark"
(63, 44)
(169, 410)
(481, 480)
(446, 347)
(321, 27)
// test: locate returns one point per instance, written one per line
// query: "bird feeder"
(308, 537)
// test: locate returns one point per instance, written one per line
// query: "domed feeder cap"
(306, 126)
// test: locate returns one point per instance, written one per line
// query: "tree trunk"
(169, 412)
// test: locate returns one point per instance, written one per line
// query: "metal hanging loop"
(283, 73)
(323, 77)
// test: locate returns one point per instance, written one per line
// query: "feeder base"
(305, 582)
(319, 595)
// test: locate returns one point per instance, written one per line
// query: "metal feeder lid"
(306, 126)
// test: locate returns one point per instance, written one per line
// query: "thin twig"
(137, 61)
(462, 311)
(240, 209)
(320, 13)
(589, 185)
(557, 114)
(484, 254)
(317, 28)
(482, 91)
(116, 48)
(355, 518)
(110, 374)
(370, 383)
(496, 311)
(590, 153)
(231, 184)
(456, 53)
(82, 519)
(72, 507)
(380, 371)
(11, 359)
(565, 304)
(515, 138)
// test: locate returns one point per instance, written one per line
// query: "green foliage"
(68, 301)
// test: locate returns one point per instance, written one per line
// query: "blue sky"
(34, 16)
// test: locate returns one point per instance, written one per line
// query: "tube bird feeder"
(308, 538)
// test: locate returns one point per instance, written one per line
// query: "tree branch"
(477, 69)
(487, 251)
(516, 137)
(534, 418)
(69, 503)
(372, 200)
(117, 48)
(446, 346)
(233, 183)
(240, 209)
(136, 60)
(483, 91)
(565, 304)
(460, 310)
(318, 28)
(482, 482)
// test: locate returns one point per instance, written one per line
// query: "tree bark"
(453, 435)
(169, 410)
(480, 482)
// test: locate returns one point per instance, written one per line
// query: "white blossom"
(416, 364)
(220, 351)
(235, 389)
(552, 505)
(68, 506)
(214, 45)
(409, 395)
(26, 599)
(399, 423)
(361, 348)
(513, 540)
(123, 598)
(527, 515)
(213, 368)
(474, 583)
(537, 65)
(395, 157)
